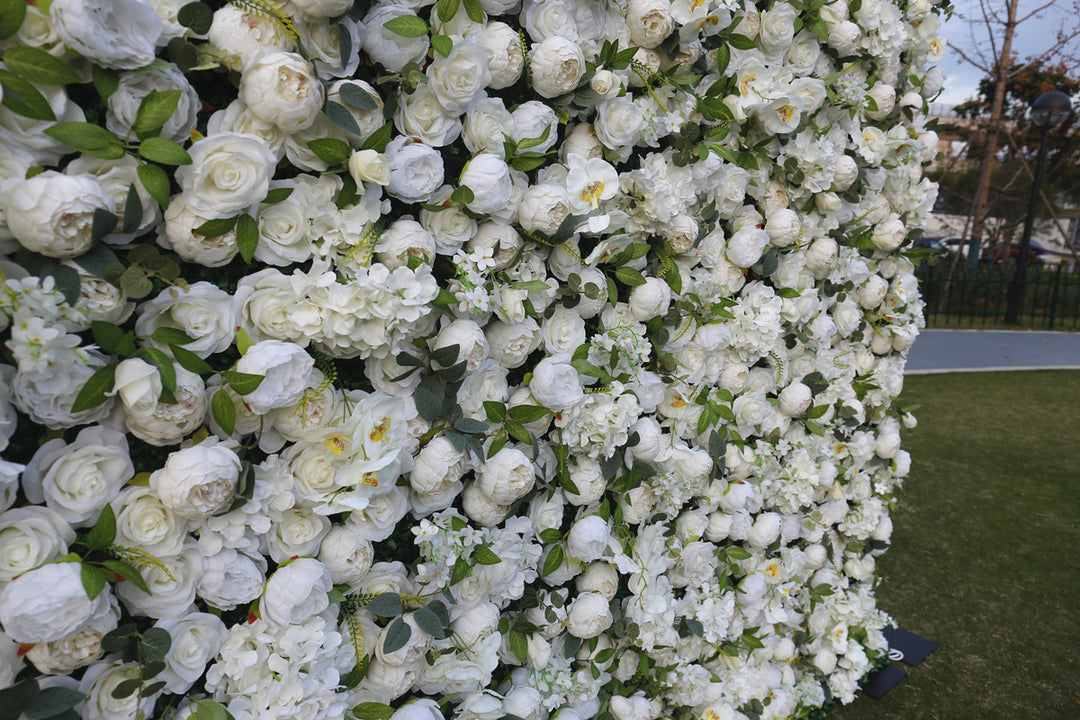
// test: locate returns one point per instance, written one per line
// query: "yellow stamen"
(336, 443)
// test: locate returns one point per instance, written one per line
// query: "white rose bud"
(884, 97)
(369, 166)
(606, 84)
(543, 208)
(196, 639)
(460, 78)
(488, 177)
(888, 235)
(286, 369)
(766, 529)
(52, 214)
(555, 383)
(507, 62)
(588, 538)
(821, 255)
(599, 577)
(590, 482)
(118, 34)
(470, 339)
(843, 36)
(783, 226)
(845, 173)
(476, 623)
(386, 46)
(437, 466)
(588, 616)
(416, 170)
(198, 481)
(296, 592)
(403, 239)
(480, 508)
(651, 299)
(228, 173)
(745, 247)
(139, 385)
(795, 399)
(506, 476)
(346, 554)
(557, 65)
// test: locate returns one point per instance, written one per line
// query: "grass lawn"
(986, 550)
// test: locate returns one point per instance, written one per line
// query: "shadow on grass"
(985, 557)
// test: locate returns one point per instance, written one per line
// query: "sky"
(1032, 37)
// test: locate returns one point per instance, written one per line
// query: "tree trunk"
(979, 206)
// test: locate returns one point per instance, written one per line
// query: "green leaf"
(495, 411)
(51, 701)
(341, 117)
(37, 66)
(22, 98)
(387, 604)
(247, 236)
(103, 532)
(358, 97)
(460, 572)
(105, 81)
(629, 276)
(93, 392)
(242, 383)
(442, 44)
(126, 689)
(447, 9)
(409, 26)
(197, 16)
(430, 623)
(166, 369)
(331, 151)
(128, 572)
(223, 410)
(88, 139)
(462, 194)
(397, 635)
(104, 223)
(154, 644)
(190, 361)
(211, 710)
(475, 11)
(277, 195)
(372, 711)
(446, 356)
(527, 413)
(12, 14)
(154, 111)
(517, 431)
(486, 556)
(93, 580)
(67, 281)
(519, 645)
(156, 182)
(171, 336)
(216, 228)
(379, 139)
(531, 286)
(534, 141)
(553, 560)
(163, 151)
(133, 210)
(740, 42)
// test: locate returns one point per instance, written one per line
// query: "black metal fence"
(976, 295)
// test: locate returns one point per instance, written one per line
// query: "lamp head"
(1050, 109)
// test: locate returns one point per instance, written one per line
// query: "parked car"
(1036, 253)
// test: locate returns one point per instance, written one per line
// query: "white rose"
(412, 651)
(286, 369)
(49, 603)
(438, 465)
(507, 61)
(506, 476)
(470, 339)
(143, 521)
(138, 383)
(180, 220)
(460, 78)
(889, 235)
(231, 578)
(777, 27)
(543, 208)
(476, 622)
(228, 173)
(296, 592)
(649, 300)
(403, 239)
(52, 213)
(79, 479)
(502, 239)
(600, 577)
(119, 34)
(557, 65)
(530, 120)
(588, 538)
(523, 701)
(488, 176)
(246, 36)
(618, 124)
(847, 316)
(821, 255)
(322, 8)
(416, 170)
(31, 537)
(196, 639)
(421, 115)
(98, 300)
(123, 103)
(873, 291)
(422, 709)
(486, 126)
(510, 344)
(384, 46)
(46, 396)
(649, 22)
(99, 684)
(368, 119)
(172, 592)
(480, 508)
(346, 554)
(81, 648)
(282, 89)
(581, 141)
(168, 423)
(795, 399)
(847, 170)
(555, 383)
(884, 97)
(745, 247)
(450, 227)
(369, 166)
(202, 311)
(783, 226)
(563, 331)
(198, 481)
(588, 616)
(766, 530)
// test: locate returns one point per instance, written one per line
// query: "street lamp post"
(1049, 110)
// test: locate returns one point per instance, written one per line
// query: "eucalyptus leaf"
(397, 636)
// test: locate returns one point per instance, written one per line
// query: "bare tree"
(991, 51)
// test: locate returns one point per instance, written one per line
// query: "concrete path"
(939, 351)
